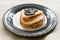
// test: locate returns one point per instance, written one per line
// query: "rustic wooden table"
(52, 4)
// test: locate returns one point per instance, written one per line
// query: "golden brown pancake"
(32, 21)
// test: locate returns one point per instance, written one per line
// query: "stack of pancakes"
(32, 21)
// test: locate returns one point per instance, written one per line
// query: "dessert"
(32, 18)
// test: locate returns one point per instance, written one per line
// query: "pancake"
(33, 21)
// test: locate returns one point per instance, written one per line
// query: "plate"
(8, 20)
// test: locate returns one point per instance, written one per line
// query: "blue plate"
(51, 20)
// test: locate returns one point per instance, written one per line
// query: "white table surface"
(52, 4)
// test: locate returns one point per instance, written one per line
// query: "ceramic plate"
(8, 20)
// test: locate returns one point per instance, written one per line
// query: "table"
(52, 4)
